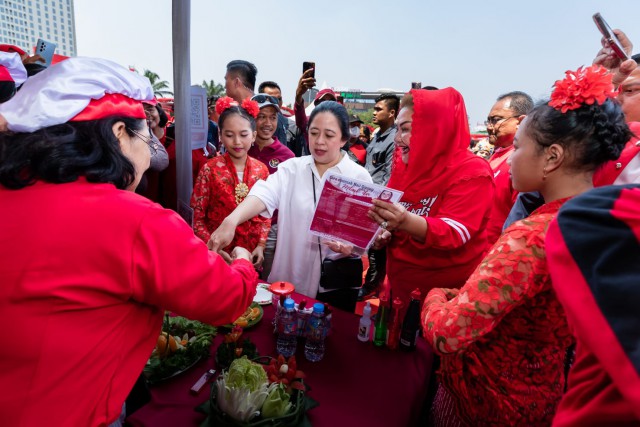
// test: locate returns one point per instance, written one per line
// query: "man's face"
(267, 122)
(502, 123)
(275, 92)
(629, 96)
(231, 85)
(382, 115)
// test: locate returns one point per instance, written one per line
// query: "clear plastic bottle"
(314, 347)
(364, 330)
(287, 330)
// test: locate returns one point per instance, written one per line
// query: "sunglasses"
(265, 98)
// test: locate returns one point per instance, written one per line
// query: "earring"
(544, 173)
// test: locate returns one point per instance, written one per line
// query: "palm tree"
(213, 88)
(160, 87)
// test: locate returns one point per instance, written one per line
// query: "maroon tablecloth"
(355, 384)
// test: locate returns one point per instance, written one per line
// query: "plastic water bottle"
(314, 347)
(364, 329)
(287, 330)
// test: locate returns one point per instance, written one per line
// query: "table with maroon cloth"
(355, 383)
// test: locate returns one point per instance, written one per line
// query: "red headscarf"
(439, 145)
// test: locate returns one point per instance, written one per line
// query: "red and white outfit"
(447, 185)
(625, 170)
(504, 196)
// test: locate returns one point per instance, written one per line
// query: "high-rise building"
(23, 22)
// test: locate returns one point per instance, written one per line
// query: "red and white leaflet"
(341, 211)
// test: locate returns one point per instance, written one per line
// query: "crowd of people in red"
(528, 275)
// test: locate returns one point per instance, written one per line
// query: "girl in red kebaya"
(224, 181)
(503, 336)
(435, 236)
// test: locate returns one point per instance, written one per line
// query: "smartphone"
(307, 65)
(609, 36)
(416, 85)
(45, 49)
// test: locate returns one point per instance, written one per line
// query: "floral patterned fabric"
(503, 335)
(214, 197)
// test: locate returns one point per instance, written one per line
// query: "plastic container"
(411, 323)
(278, 289)
(287, 330)
(364, 329)
(314, 347)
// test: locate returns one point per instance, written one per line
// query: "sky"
(483, 48)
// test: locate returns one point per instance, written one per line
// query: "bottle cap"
(415, 294)
(289, 303)
(367, 310)
(318, 307)
(397, 302)
(384, 298)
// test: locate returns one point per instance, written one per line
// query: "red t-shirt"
(504, 196)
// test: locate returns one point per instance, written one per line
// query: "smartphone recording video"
(308, 65)
(610, 36)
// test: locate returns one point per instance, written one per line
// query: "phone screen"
(307, 65)
(610, 36)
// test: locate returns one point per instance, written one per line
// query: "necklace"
(241, 191)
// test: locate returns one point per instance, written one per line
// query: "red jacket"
(87, 271)
(504, 196)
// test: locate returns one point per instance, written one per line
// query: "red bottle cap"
(397, 303)
(384, 299)
(415, 294)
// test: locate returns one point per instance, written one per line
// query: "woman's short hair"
(62, 153)
(235, 109)
(339, 112)
(593, 134)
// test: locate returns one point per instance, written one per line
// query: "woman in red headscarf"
(436, 233)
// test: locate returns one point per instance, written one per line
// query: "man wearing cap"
(270, 151)
(273, 89)
(356, 150)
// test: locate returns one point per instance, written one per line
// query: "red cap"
(322, 93)
(282, 288)
(416, 294)
(397, 303)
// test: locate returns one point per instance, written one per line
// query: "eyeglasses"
(151, 141)
(494, 120)
(265, 98)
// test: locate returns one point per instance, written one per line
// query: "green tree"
(160, 87)
(213, 88)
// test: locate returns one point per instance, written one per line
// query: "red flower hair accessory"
(251, 107)
(224, 103)
(584, 86)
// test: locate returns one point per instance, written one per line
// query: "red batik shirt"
(214, 198)
(503, 336)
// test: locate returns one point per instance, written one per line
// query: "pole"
(181, 23)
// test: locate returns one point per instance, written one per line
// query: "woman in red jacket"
(436, 233)
(88, 266)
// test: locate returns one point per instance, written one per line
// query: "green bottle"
(380, 334)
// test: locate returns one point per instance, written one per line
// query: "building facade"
(23, 22)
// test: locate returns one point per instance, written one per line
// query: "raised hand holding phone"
(45, 50)
(608, 58)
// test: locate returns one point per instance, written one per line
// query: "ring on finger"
(384, 225)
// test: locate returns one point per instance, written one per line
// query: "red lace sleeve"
(514, 270)
(200, 201)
